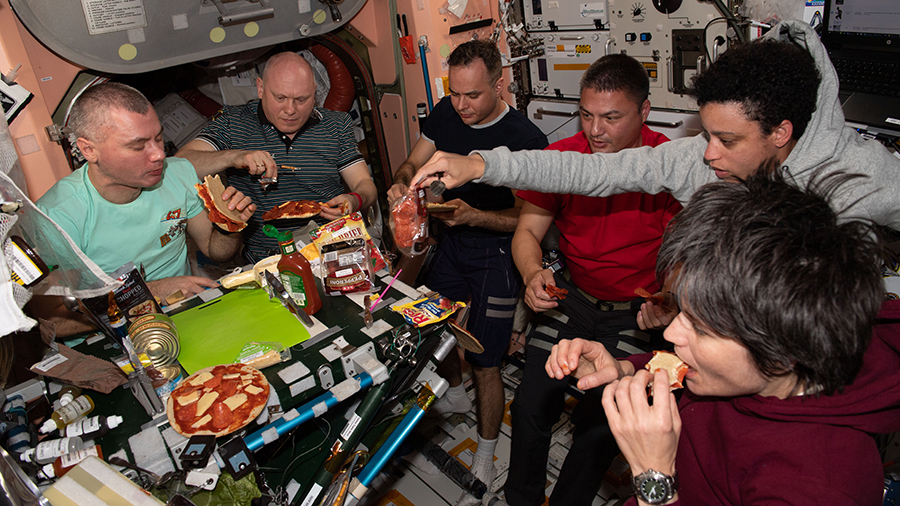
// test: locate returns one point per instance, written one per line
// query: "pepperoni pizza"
(217, 400)
(294, 209)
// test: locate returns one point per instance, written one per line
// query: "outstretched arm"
(208, 161)
(454, 170)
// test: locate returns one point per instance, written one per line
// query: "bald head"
(290, 64)
(287, 92)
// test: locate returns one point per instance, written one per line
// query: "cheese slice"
(206, 401)
(202, 378)
(202, 421)
(236, 400)
(189, 398)
(253, 389)
(231, 376)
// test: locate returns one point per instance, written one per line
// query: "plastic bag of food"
(431, 309)
(344, 228)
(346, 267)
(409, 222)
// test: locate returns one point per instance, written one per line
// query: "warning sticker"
(566, 50)
(105, 16)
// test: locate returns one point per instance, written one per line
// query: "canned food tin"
(172, 373)
(156, 335)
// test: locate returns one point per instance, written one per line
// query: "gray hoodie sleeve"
(675, 167)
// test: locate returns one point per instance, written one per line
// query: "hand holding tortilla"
(213, 193)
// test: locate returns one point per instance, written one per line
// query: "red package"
(409, 222)
(346, 267)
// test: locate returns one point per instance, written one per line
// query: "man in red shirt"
(609, 246)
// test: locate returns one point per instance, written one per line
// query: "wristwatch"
(654, 487)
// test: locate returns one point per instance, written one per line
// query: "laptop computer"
(863, 41)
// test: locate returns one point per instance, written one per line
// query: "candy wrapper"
(409, 222)
(429, 310)
(344, 228)
(346, 267)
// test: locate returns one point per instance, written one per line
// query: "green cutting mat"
(215, 332)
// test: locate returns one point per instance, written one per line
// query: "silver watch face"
(654, 487)
(653, 490)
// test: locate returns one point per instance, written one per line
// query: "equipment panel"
(565, 15)
(133, 36)
(566, 56)
(667, 36)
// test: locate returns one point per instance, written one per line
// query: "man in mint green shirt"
(129, 203)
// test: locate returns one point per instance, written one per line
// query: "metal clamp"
(664, 124)
(242, 15)
(540, 112)
(610, 41)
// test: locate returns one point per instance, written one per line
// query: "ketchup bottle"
(295, 273)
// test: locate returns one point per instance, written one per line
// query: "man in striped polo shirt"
(284, 127)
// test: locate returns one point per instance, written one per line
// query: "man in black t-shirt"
(474, 258)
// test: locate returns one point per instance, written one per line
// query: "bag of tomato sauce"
(409, 222)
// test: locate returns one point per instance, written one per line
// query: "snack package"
(263, 354)
(346, 267)
(431, 309)
(133, 298)
(347, 227)
(409, 222)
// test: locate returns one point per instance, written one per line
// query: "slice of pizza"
(674, 366)
(294, 209)
(211, 192)
(218, 400)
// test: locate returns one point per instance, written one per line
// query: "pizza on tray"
(217, 400)
(294, 209)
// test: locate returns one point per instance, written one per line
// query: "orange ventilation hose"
(343, 90)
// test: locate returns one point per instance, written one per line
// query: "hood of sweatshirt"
(822, 138)
(871, 404)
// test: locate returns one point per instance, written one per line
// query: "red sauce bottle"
(295, 273)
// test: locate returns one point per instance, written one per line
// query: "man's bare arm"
(208, 161)
(499, 221)
(52, 309)
(420, 154)
(534, 221)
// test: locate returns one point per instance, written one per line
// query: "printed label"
(24, 271)
(104, 16)
(294, 286)
(49, 363)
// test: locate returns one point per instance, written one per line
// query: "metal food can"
(156, 335)
(172, 374)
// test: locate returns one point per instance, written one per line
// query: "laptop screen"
(868, 22)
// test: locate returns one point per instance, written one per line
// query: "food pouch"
(346, 267)
(347, 227)
(431, 309)
(409, 222)
(263, 354)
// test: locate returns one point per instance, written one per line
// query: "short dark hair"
(91, 108)
(771, 80)
(769, 265)
(618, 72)
(485, 50)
